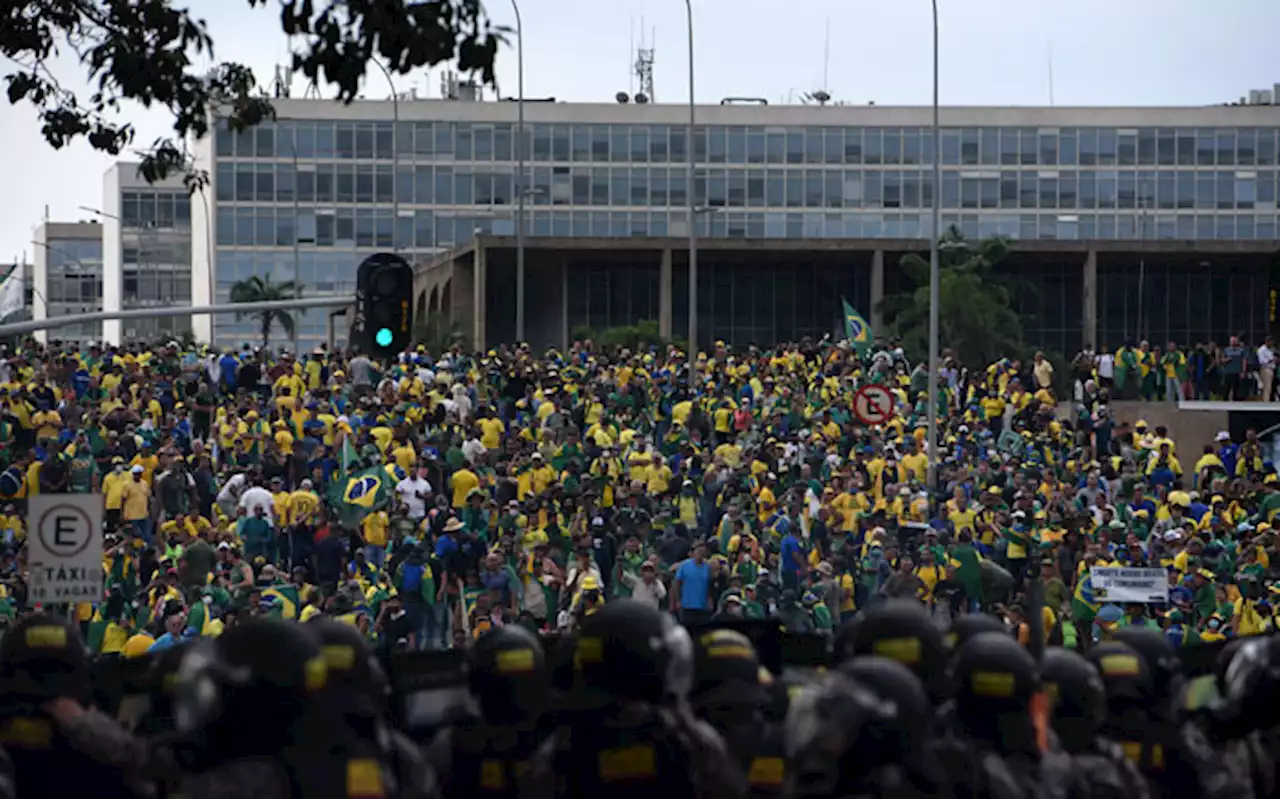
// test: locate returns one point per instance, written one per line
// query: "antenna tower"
(644, 67)
(279, 84)
(313, 91)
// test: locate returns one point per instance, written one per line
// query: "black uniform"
(995, 679)
(354, 702)
(1177, 761)
(1248, 718)
(727, 691)
(1079, 708)
(632, 733)
(490, 756)
(243, 705)
(58, 745)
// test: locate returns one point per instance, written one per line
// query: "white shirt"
(258, 497)
(651, 594)
(472, 449)
(1106, 365)
(1266, 357)
(408, 489)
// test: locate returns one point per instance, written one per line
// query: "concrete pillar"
(877, 292)
(564, 306)
(664, 294)
(1089, 301)
(479, 298)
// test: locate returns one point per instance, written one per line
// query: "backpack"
(411, 577)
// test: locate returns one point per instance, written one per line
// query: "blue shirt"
(792, 555)
(695, 585)
(164, 642)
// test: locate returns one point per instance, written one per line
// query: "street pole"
(395, 152)
(520, 174)
(934, 277)
(692, 215)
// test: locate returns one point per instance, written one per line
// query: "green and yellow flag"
(356, 495)
(856, 329)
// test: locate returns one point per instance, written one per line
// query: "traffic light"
(384, 297)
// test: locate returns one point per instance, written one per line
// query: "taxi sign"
(65, 548)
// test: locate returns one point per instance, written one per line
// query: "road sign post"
(873, 404)
(64, 548)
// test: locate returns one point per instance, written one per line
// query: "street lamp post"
(519, 185)
(692, 213)
(934, 277)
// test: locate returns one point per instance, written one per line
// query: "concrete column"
(664, 294)
(877, 292)
(1089, 300)
(479, 298)
(564, 306)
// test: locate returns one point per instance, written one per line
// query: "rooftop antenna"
(279, 85)
(826, 56)
(1051, 73)
(644, 68)
(313, 90)
(631, 48)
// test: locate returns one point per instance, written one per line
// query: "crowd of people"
(1207, 371)
(552, 516)
(434, 496)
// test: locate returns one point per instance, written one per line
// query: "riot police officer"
(911, 740)
(243, 711)
(995, 680)
(510, 678)
(1176, 761)
(58, 744)
(354, 702)
(1246, 717)
(835, 738)
(1079, 708)
(899, 630)
(727, 693)
(632, 734)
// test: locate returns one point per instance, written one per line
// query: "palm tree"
(976, 317)
(262, 289)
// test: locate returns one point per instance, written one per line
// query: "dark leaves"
(143, 51)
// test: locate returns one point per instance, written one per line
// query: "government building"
(1127, 223)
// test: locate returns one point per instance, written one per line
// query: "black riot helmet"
(899, 630)
(356, 685)
(630, 651)
(162, 677)
(726, 670)
(835, 736)
(509, 675)
(43, 657)
(1079, 699)
(897, 684)
(1161, 659)
(994, 679)
(1125, 676)
(969, 625)
(224, 683)
(1251, 689)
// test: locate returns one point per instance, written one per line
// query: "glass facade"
(74, 285)
(332, 186)
(155, 230)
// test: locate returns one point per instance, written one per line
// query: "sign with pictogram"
(873, 404)
(64, 548)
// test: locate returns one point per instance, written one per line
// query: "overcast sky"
(994, 52)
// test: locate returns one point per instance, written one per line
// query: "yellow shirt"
(301, 505)
(405, 456)
(136, 500)
(47, 424)
(491, 431)
(463, 481)
(113, 487)
(374, 528)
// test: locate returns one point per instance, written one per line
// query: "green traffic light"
(383, 337)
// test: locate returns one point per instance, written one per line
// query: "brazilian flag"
(856, 329)
(286, 598)
(359, 494)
